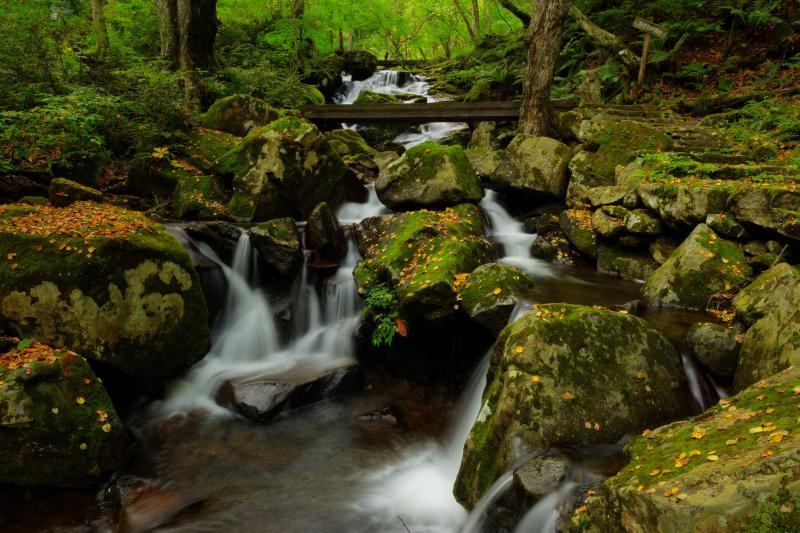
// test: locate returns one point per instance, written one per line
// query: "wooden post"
(645, 54)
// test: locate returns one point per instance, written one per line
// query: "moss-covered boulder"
(198, 198)
(626, 263)
(429, 175)
(238, 114)
(326, 75)
(420, 253)
(490, 293)
(686, 203)
(106, 282)
(57, 424)
(609, 143)
(702, 266)
(609, 221)
(284, 169)
(360, 64)
(352, 148)
(716, 472)
(776, 208)
(542, 167)
(495, 168)
(577, 227)
(772, 304)
(205, 149)
(325, 235)
(371, 97)
(727, 226)
(641, 222)
(63, 192)
(715, 347)
(566, 375)
(278, 245)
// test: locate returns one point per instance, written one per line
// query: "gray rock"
(278, 244)
(542, 164)
(715, 347)
(325, 235)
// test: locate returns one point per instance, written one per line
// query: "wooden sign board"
(650, 28)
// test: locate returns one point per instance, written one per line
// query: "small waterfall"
(353, 213)
(543, 516)
(511, 234)
(393, 83)
(704, 393)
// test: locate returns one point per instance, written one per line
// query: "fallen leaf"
(80, 400)
(567, 396)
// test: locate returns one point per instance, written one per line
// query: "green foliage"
(775, 119)
(381, 304)
(24, 343)
(780, 514)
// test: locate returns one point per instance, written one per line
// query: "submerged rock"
(772, 305)
(721, 471)
(105, 282)
(568, 375)
(238, 114)
(429, 175)
(63, 192)
(701, 267)
(279, 247)
(284, 169)
(57, 424)
(490, 293)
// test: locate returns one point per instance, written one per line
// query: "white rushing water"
(396, 83)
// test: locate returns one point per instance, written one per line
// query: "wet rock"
(702, 266)
(715, 347)
(384, 159)
(541, 476)
(429, 175)
(279, 247)
(238, 114)
(57, 424)
(484, 136)
(609, 221)
(112, 285)
(285, 169)
(325, 235)
(494, 167)
(262, 400)
(775, 208)
(352, 148)
(371, 97)
(685, 204)
(206, 149)
(360, 64)
(625, 263)
(634, 307)
(662, 248)
(568, 375)
(153, 506)
(606, 195)
(640, 222)
(755, 247)
(63, 192)
(490, 293)
(198, 198)
(222, 237)
(326, 75)
(577, 227)
(726, 226)
(388, 415)
(419, 254)
(745, 468)
(771, 303)
(542, 167)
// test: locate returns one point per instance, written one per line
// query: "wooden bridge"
(394, 63)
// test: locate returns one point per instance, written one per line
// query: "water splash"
(542, 517)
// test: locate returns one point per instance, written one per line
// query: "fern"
(381, 302)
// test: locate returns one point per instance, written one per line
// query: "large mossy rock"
(626, 263)
(567, 375)
(352, 148)
(63, 192)
(702, 266)
(772, 305)
(325, 235)
(429, 175)
(238, 114)
(360, 64)
(284, 169)
(105, 282)
(326, 75)
(715, 347)
(279, 246)
(371, 97)
(420, 253)
(541, 164)
(775, 208)
(198, 198)
(610, 143)
(490, 293)
(720, 471)
(57, 424)
(577, 227)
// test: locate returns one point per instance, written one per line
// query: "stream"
(326, 467)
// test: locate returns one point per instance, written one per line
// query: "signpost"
(649, 28)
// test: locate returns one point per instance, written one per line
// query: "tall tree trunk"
(476, 18)
(487, 16)
(298, 11)
(462, 12)
(341, 41)
(517, 12)
(188, 29)
(545, 34)
(100, 27)
(167, 12)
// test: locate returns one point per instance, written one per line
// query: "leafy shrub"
(381, 305)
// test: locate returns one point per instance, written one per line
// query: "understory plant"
(381, 305)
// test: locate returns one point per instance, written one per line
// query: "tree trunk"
(545, 33)
(476, 18)
(298, 11)
(517, 12)
(188, 29)
(341, 41)
(100, 27)
(487, 16)
(607, 40)
(464, 17)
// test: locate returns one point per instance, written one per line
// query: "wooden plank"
(413, 113)
(650, 28)
(402, 62)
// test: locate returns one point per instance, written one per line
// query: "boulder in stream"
(490, 293)
(198, 198)
(360, 64)
(238, 114)
(541, 164)
(701, 267)
(105, 282)
(569, 375)
(324, 235)
(429, 175)
(733, 468)
(715, 347)
(57, 424)
(279, 247)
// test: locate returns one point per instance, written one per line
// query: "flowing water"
(334, 466)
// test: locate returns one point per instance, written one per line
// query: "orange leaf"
(400, 327)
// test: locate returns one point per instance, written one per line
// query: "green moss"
(370, 97)
(198, 198)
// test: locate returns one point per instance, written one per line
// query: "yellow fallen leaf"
(776, 438)
(519, 349)
(682, 496)
(770, 410)
(498, 290)
(54, 410)
(655, 472)
(767, 453)
(567, 396)
(107, 427)
(697, 435)
(83, 446)
(582, 509)
(640, 488)
(80, 400)
(536, 378)
(712, 458)
(695, 452)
